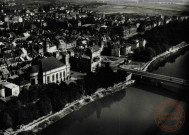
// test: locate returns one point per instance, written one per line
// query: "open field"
(144, 8)
(141, 8)
(29, 4)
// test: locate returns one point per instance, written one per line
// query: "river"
(129, 112)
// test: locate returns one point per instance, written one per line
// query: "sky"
(142, 0)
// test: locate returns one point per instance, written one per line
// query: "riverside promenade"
(43, 122)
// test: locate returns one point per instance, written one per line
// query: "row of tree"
(160, 39)
(37, 101)
(40, 100)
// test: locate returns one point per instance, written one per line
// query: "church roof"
(50, 63)
(47, 64)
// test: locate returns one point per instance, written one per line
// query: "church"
(50, 70)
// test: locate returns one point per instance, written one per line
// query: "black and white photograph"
(94, 67)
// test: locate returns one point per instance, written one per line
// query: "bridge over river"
(163, 78)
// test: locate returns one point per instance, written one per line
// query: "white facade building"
(50, 70)
(9, 89)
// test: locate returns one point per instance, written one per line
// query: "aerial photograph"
(94, 67)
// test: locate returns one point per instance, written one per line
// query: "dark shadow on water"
(86, 111)
(168, 90)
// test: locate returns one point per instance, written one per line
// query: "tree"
(20, 117)
(29, 115)
(34, 92)
(2, 106)
(34, 111)
(11, 109)
(81, 85)
(7, 120)
(56, 95)
(44, 105)
(24, 96)
(137, 54)
(149, 54)
(74, 92)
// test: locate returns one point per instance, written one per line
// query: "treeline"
(160, 39)
(103, 79)
(40, 100)
(86, 111)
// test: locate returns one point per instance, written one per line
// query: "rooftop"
(50, 63)
(11, 85)
(47, 64)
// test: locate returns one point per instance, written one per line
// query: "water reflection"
(129, 112)
(170, 90)
(82, 114)
(178, 68)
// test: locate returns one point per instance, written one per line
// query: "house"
(153, 24)
(175, 18)
(115, 51)
(129, 31)
(126, 31)
(17, 19)
(7, 18)
(133, 29)
(142, 42)
(125, 50)
(167, 20)
(134, 43)
(9, 89)
(24, 84)
(137, 24)
(96, 57)
(5, 73)
(20, 81)
(50, 70)
(160, 22)
(65, 46)
(147, 26)
(89, 60)
(49, 46)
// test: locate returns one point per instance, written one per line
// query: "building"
(129, 31)
(4, 73)
(89, 61)
(63, 46)
(9, 89)
(115, 51)
(49, 46)
(142, 42)
(96, 57)
(125, 50)
(50, 70)
(17, 19)
(134, 44)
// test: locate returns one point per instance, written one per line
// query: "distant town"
(57, 53)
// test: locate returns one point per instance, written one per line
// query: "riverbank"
(172, 51)
(39, 125)
(135, 108)
(45, 121)
(168, 57)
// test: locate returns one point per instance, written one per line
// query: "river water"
(129, 112)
